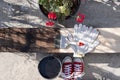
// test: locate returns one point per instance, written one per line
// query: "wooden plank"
(15, 40)
(28, 39)
(109, 38)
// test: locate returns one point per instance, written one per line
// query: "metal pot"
(50, 67)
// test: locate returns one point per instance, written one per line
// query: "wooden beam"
(109, 38)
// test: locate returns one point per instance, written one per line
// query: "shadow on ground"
(102, 66)
(23, 14)
(98, 14)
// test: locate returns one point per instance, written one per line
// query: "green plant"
(60, 10)
(61, 7)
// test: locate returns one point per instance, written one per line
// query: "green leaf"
(57, 9)
(62, 9)
(67, 12)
